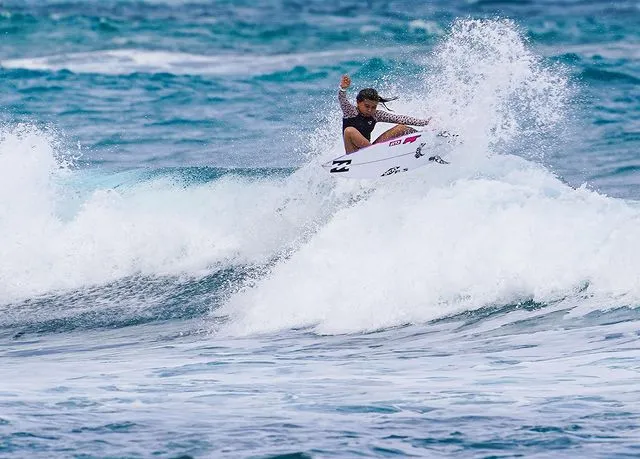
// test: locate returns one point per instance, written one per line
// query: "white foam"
(485, 230)
(53, 239)
(430, 27)
(416, 250)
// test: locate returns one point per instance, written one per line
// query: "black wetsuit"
(364, 124)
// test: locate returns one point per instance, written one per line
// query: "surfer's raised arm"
(348, 109)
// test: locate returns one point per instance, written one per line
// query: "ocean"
(180, 278)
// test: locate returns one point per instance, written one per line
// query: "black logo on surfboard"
(419, 150)
(341, 165)
(394, 170)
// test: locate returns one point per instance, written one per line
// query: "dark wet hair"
(372, 94)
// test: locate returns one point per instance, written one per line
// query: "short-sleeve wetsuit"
(364, 124)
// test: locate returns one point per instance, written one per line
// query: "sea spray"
(488, 230)
(485, 81)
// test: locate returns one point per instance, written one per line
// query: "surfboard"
(394, 156)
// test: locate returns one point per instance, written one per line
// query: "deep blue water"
(180, 278)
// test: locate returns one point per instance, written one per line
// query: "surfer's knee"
(350, 131)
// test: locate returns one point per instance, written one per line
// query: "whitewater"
(179, 277)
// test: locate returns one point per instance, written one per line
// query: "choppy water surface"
(180, 278)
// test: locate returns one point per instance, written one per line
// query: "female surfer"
(358, 121)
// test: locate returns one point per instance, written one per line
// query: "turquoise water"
(180, 278)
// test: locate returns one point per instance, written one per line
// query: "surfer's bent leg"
(397, 131)
(353, 140)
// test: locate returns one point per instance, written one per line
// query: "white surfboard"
(394, 156)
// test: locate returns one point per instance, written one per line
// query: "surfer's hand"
(345, 82)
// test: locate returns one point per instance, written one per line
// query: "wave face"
(179, 277)
(67, 228)
(490, 229)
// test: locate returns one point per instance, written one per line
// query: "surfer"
(358, 121)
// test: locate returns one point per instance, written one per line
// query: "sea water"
(180, 278)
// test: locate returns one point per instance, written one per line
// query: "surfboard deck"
(394, 156)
